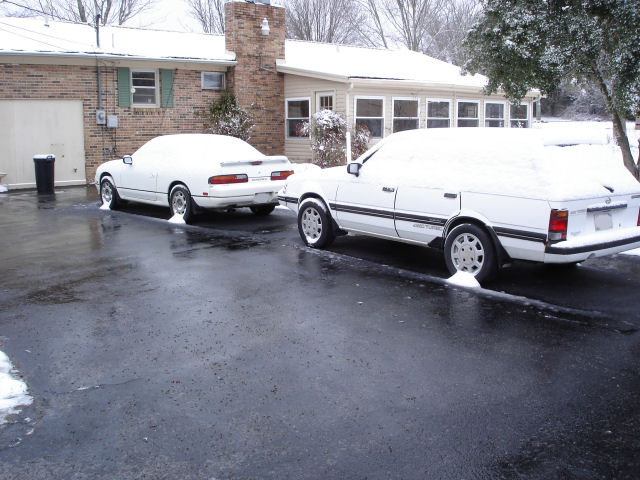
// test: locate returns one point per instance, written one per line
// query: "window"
(468, 114)
(144, 88)
(212, 80)
(297, 114)
(370, 113)
(494, 114)
(519, 116)
(438, 114)
(324, 101)
(405, 114)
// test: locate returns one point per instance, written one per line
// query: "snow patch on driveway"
(13, 392)
(463, 279)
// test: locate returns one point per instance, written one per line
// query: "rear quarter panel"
(520, 223)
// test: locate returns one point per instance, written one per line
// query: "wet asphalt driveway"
(229, 350)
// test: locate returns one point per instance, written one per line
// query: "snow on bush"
(328, 133)
(226, 117)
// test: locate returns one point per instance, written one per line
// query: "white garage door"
(31, 127)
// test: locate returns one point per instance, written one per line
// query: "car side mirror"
(127, 160)
(354, 168)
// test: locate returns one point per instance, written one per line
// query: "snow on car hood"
(501, 161)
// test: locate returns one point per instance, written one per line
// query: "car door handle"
(388, 189)
(450, 195)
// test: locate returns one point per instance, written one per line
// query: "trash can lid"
(44, 156)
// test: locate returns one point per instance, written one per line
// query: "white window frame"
(529, 113)
(156, 88)
(287, 118)
(438, 100)
(504, 113)
(222, 82)
(327, 93)
(393, 111)
(458, 102)
(369, 97)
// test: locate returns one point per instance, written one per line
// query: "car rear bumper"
(595, 245)
(261, 198)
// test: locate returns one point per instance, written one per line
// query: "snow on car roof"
(512, 162)
(200, 145)
(39, 36)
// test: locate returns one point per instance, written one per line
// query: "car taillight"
(639, 217)
(223, 179)
(558, 221)
(282, 175)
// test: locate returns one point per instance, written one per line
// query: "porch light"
(264, 28)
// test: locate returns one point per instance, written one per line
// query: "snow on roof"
(350, 62)
(37, 36)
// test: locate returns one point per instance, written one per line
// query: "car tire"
(469, 248)
(314, 224)
(181, 203)
(262, 210)
(109, 193)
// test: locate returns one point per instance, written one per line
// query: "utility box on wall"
(112, 121)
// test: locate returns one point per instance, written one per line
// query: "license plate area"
(603, 221)
(263, 197)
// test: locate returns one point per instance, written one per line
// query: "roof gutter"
(281, 67)
(102, 56)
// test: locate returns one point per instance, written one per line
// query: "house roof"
(36, 36)
(350, 63)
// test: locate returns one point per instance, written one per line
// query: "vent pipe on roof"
(98, 30)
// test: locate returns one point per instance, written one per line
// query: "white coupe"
(484, 196)
(191, 171)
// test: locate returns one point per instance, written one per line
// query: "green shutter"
(124, 87)
(166, 82)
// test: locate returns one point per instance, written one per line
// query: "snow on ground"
(179, 219)
(13, 392)
(463, 279)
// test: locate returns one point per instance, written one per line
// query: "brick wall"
(259, 90)
(135, 125)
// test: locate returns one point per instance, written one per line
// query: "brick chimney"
(254, 81)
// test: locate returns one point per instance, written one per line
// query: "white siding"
(299, 86)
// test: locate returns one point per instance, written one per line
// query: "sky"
(167, 15)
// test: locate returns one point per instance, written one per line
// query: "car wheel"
(262, 210)
(314, 223)
(468, 248)
(109, 193)
(181, 203)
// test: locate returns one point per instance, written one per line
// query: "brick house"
(89, 96)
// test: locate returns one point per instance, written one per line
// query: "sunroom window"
(468, 114)
(519, 116)
(405, 114)
(370, 113)
(494, 114)
(438, 114)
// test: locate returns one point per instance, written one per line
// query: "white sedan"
(190, 171)
(484, 196)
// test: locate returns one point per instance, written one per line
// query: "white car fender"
(466, 213)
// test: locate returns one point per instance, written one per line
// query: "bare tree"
(458, 17)
(86, 11)
(413, 22)
(330, 21)
(370, 28)
(209, 13)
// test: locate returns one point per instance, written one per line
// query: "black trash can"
(44, 172)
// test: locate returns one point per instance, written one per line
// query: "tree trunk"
(619, 127)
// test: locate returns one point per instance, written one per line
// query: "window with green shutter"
(124, 87)
(166, 84)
